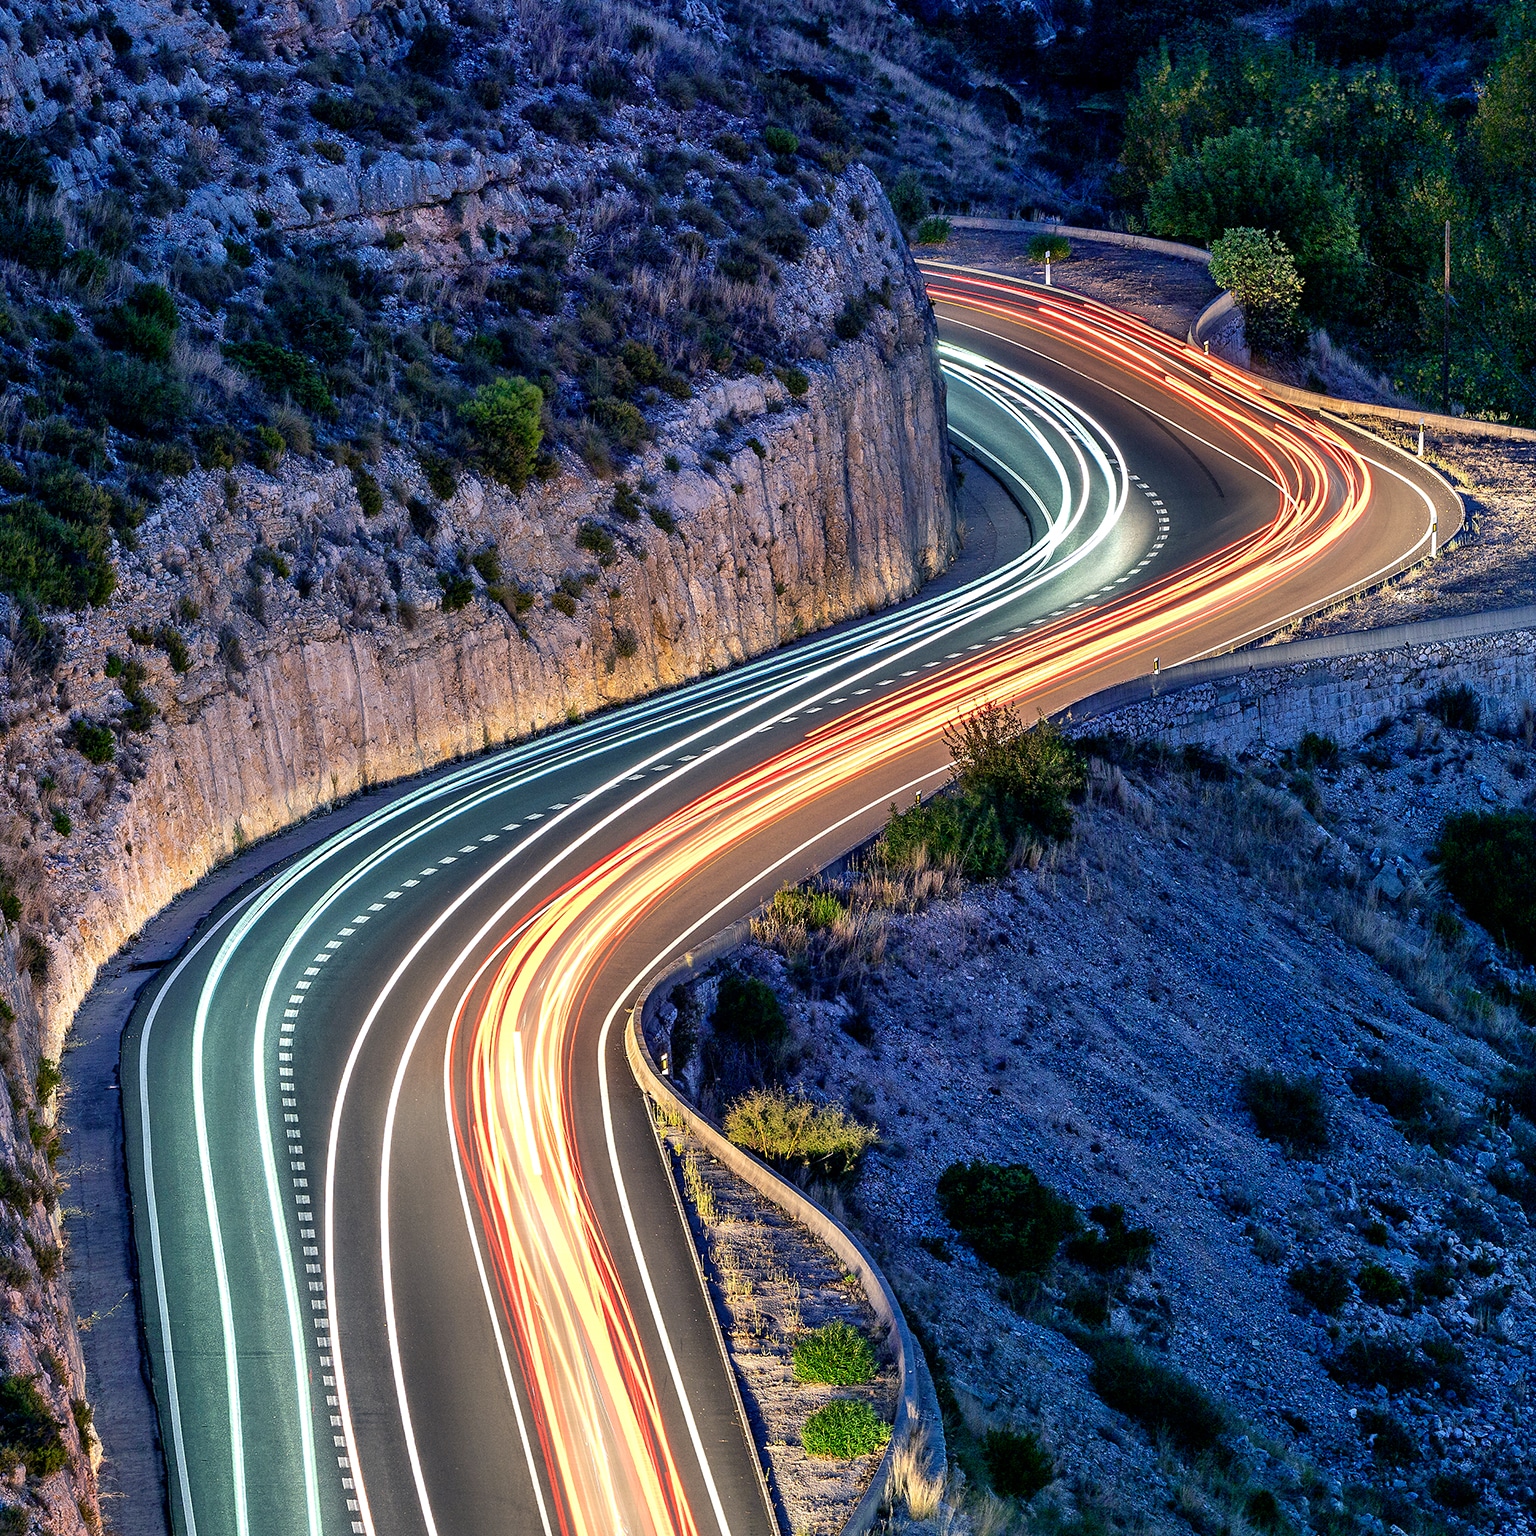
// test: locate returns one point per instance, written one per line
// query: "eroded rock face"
(822, 507)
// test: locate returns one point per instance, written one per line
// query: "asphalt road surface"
(409, 1258)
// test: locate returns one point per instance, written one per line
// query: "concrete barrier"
(918, 1419)
(1075, 232)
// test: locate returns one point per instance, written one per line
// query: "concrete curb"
(917, 1405)
(1076, 232)
(1296, 653)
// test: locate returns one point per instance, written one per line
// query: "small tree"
(909, 202)
(504, 418)
(1261, 274)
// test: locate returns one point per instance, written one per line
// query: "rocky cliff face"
(802, 512)
(50, 1448)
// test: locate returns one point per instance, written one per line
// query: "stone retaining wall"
(1343, 697)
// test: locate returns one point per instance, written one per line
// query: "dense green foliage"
(1287, 1110)
(1344, 154)
(1487, 861)
(791, 1131)
(1014, 784)
(29, 1433)
(1159, 1398)
(844, 1428)
(1018, 1465)
(1260, 273)
(503, 418)
(1115, 1246)
(1012, 1221)
(837, 1354)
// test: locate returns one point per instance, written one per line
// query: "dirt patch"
(1362, 1311)
(1165, 291)
(771, 1283)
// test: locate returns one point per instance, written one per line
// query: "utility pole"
(1445, 353)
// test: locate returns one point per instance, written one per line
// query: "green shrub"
(49, 1079)
(267, 448)
(934, 230)
(1487, 861)
(1018, 1465)
(836, 1353)
(141, 398)
(1029, 774)
(1010, 1219)
(795, 907)
(1324, 1282)
(909, 202)
(663, 519)
(748, 1014)
(780, 141)
(1288, 1110)
(1159, 1398)
(844, 1428)
(458, 590)
(1116, 1247)
(442, 478)
(596, 540)
(1379, 1285)
(1260, 273)
(369, 496)
(1416, 1104)
(56, 544)
(787, 1129)
(281, 372)
(1381, 1362)
(795, 380)
(1459, 708)
(28, 1430)
(95, 743)
(505, 421)
(1052, 247)
(621, 423)
(145, 323)
(1314, 751)
(855, 315)
(954, 831)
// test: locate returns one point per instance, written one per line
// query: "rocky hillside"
(379, 385)
(1271, 1266)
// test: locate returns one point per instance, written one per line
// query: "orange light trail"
(595, 1399)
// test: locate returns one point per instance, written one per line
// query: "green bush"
(95, 743)
(934, 230)
(1288, 1110)
(795, 907)
(28, 1430)
(748, 1014)
(1010, 1219)
(909, 202)
(1029, 774)
(1116, 1246)
(795, 380)
(621, 423)
(1416, 1103)
(1487, 861)
(1053, 247)
(1379, 1285)
(596, 540)
(1381, 1362)
(505, 421)
(853, 317)
(953, 831)
(1252, 179)
(836, 1353)
(1460, 708)
(1018, 1465)
(458, 590)
(56, 545)
(442, 479)
(1324, 1282)
(1159, 1398)
(145, 323)
(780, 141)
(281, 372)
(1314, 751)
(844, 1428)
(369, 496)
(1259, 271)
(789, 1130)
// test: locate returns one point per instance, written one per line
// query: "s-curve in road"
(409, 1258)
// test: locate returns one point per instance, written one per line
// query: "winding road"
(409, 1259)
